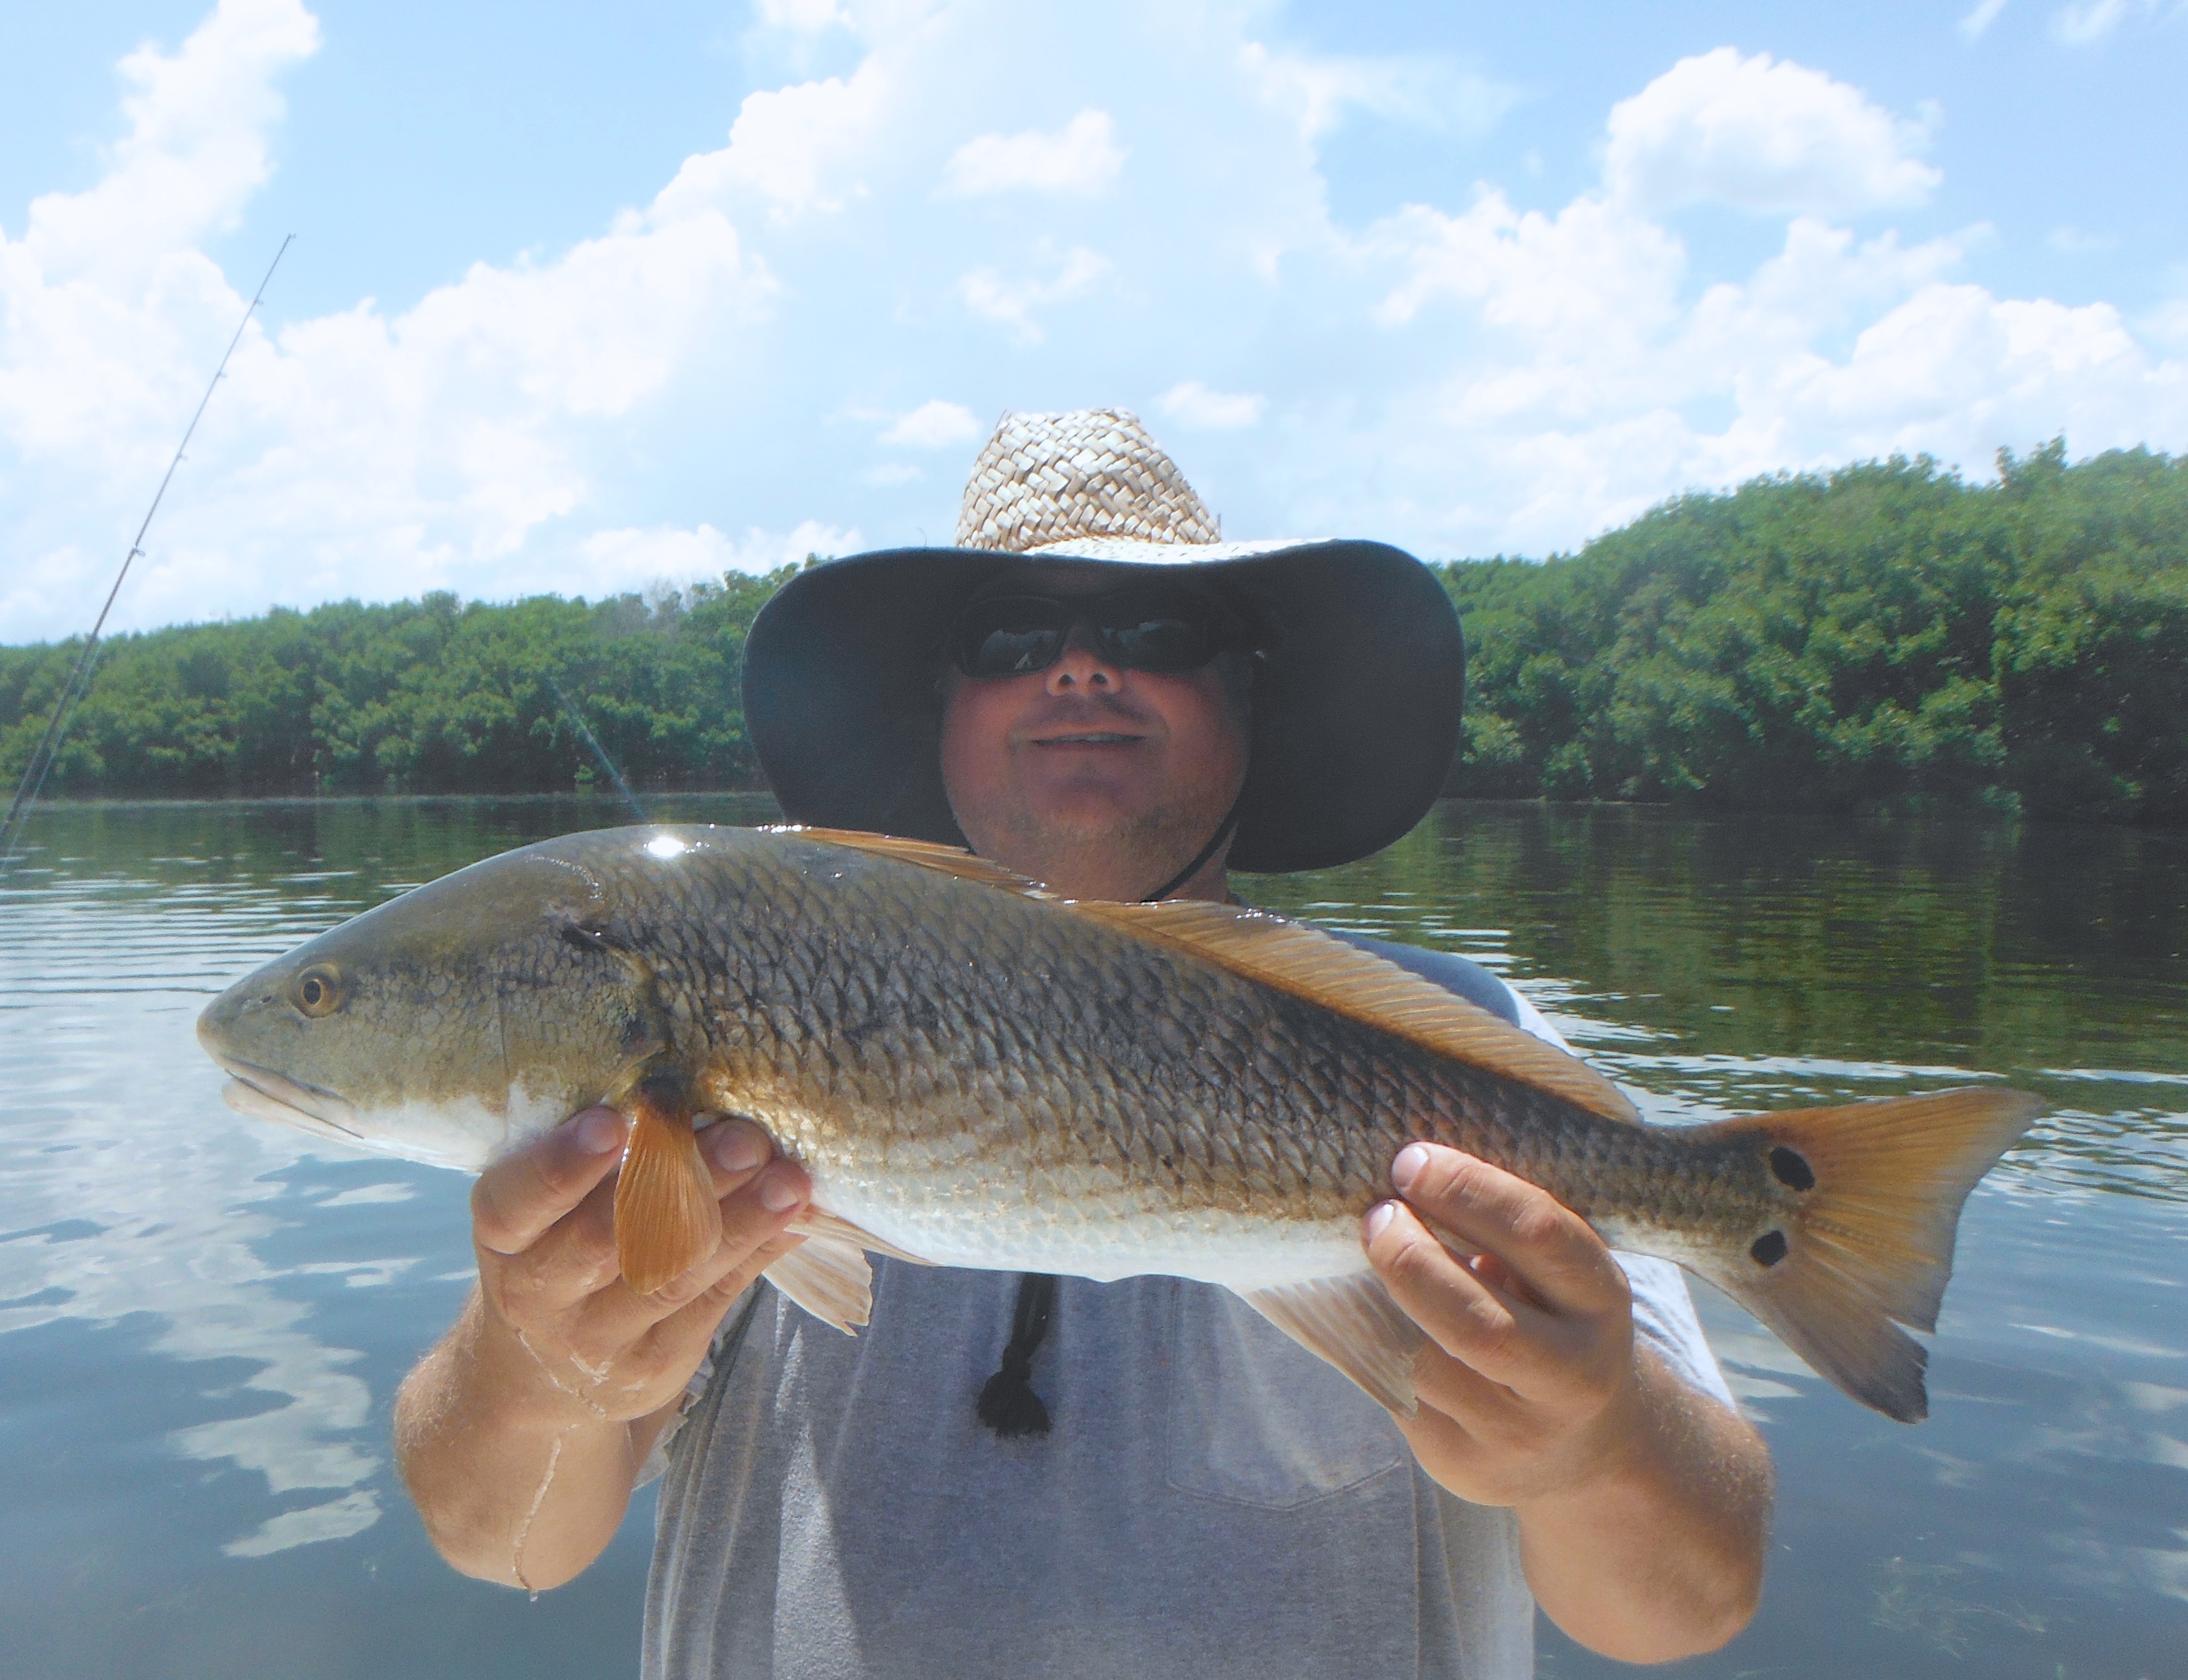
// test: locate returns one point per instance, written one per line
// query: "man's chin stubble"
(1157, 843)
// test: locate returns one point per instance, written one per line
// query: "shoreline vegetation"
(1886, 637)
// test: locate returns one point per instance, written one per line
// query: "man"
(1005, 1475)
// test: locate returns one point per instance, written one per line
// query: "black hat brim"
(1356, 704)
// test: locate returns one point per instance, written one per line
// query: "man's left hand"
(1527, 1384)
(1642, 1503)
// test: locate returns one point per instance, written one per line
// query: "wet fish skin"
(975, 1074)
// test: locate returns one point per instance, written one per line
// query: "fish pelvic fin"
(667, 1219)
(1352, 1322)
(1291, 956)
(1868, 1199)
(830, 1278)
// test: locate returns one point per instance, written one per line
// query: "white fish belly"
(1102, 1232)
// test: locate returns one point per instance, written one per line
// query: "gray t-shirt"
(1212, 1499)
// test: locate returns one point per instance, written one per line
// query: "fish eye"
(318, 990)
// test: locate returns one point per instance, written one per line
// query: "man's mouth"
(1089, 738)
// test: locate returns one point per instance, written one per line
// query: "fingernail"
(599, 1130)
(1408, 1166)
(737, 1146)
(1377, 1216)
(778, 1190)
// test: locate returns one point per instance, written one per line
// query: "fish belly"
(1102, 1232)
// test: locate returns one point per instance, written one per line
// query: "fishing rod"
(72, 691)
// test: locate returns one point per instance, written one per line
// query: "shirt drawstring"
(1008, 1404)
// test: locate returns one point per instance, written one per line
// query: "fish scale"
(974, 1073)
(1221, 1153)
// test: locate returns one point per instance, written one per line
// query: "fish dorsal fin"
(1323, 969)
(951, 860)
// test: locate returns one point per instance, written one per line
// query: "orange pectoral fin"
(667, 1219)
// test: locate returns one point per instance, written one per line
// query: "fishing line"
(72, 691)
(598, 751)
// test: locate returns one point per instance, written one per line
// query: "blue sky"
(584, 299)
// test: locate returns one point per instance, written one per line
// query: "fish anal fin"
(951, 860)
(1352, 1322)
(819, 1222)
(667, 1219)
(1310, 964)
(830, 1278)
(1865, 1204)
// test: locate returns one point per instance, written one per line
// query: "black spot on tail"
(1792, 1169)
(1768, 1249)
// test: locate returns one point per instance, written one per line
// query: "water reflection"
(202, 1318)
(117, 1209)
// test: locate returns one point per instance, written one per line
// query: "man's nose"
(1081, 665)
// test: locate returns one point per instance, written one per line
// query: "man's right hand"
(521, 1434)
(543, 1222)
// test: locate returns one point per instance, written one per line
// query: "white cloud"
(2087, 21)
(1011, 302)
(1193, 405)
(609, 563)
(2072, 241)
(1978, 22)
(801, 17)
(2168, 324)
(794, 147)
(1761, 135)
(1484, 369)
(417, 450)
(1082, 157)
(1318, 90)
(195, 149)
(933, 425)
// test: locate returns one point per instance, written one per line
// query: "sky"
(589, 299)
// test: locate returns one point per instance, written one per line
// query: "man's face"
(1099, 781)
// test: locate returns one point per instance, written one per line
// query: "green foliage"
(1885, 637)
(420, 697)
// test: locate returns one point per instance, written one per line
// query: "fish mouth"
(265, 1095)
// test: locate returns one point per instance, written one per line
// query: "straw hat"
(1357, 701)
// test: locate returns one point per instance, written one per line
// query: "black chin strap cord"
(1224, 831)
(1008, 1404)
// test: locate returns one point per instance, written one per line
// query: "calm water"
(203, 1319)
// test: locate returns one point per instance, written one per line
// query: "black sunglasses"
(1144, 628)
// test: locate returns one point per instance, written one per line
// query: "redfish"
(977, 1073)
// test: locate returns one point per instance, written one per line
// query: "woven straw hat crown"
(1045, 480)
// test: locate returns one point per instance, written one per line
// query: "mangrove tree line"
(1885, 636)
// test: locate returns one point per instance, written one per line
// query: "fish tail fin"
(667, 1219)
(1870, 1197)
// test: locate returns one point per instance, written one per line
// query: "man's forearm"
(516, 1479)
(1661, 1555)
